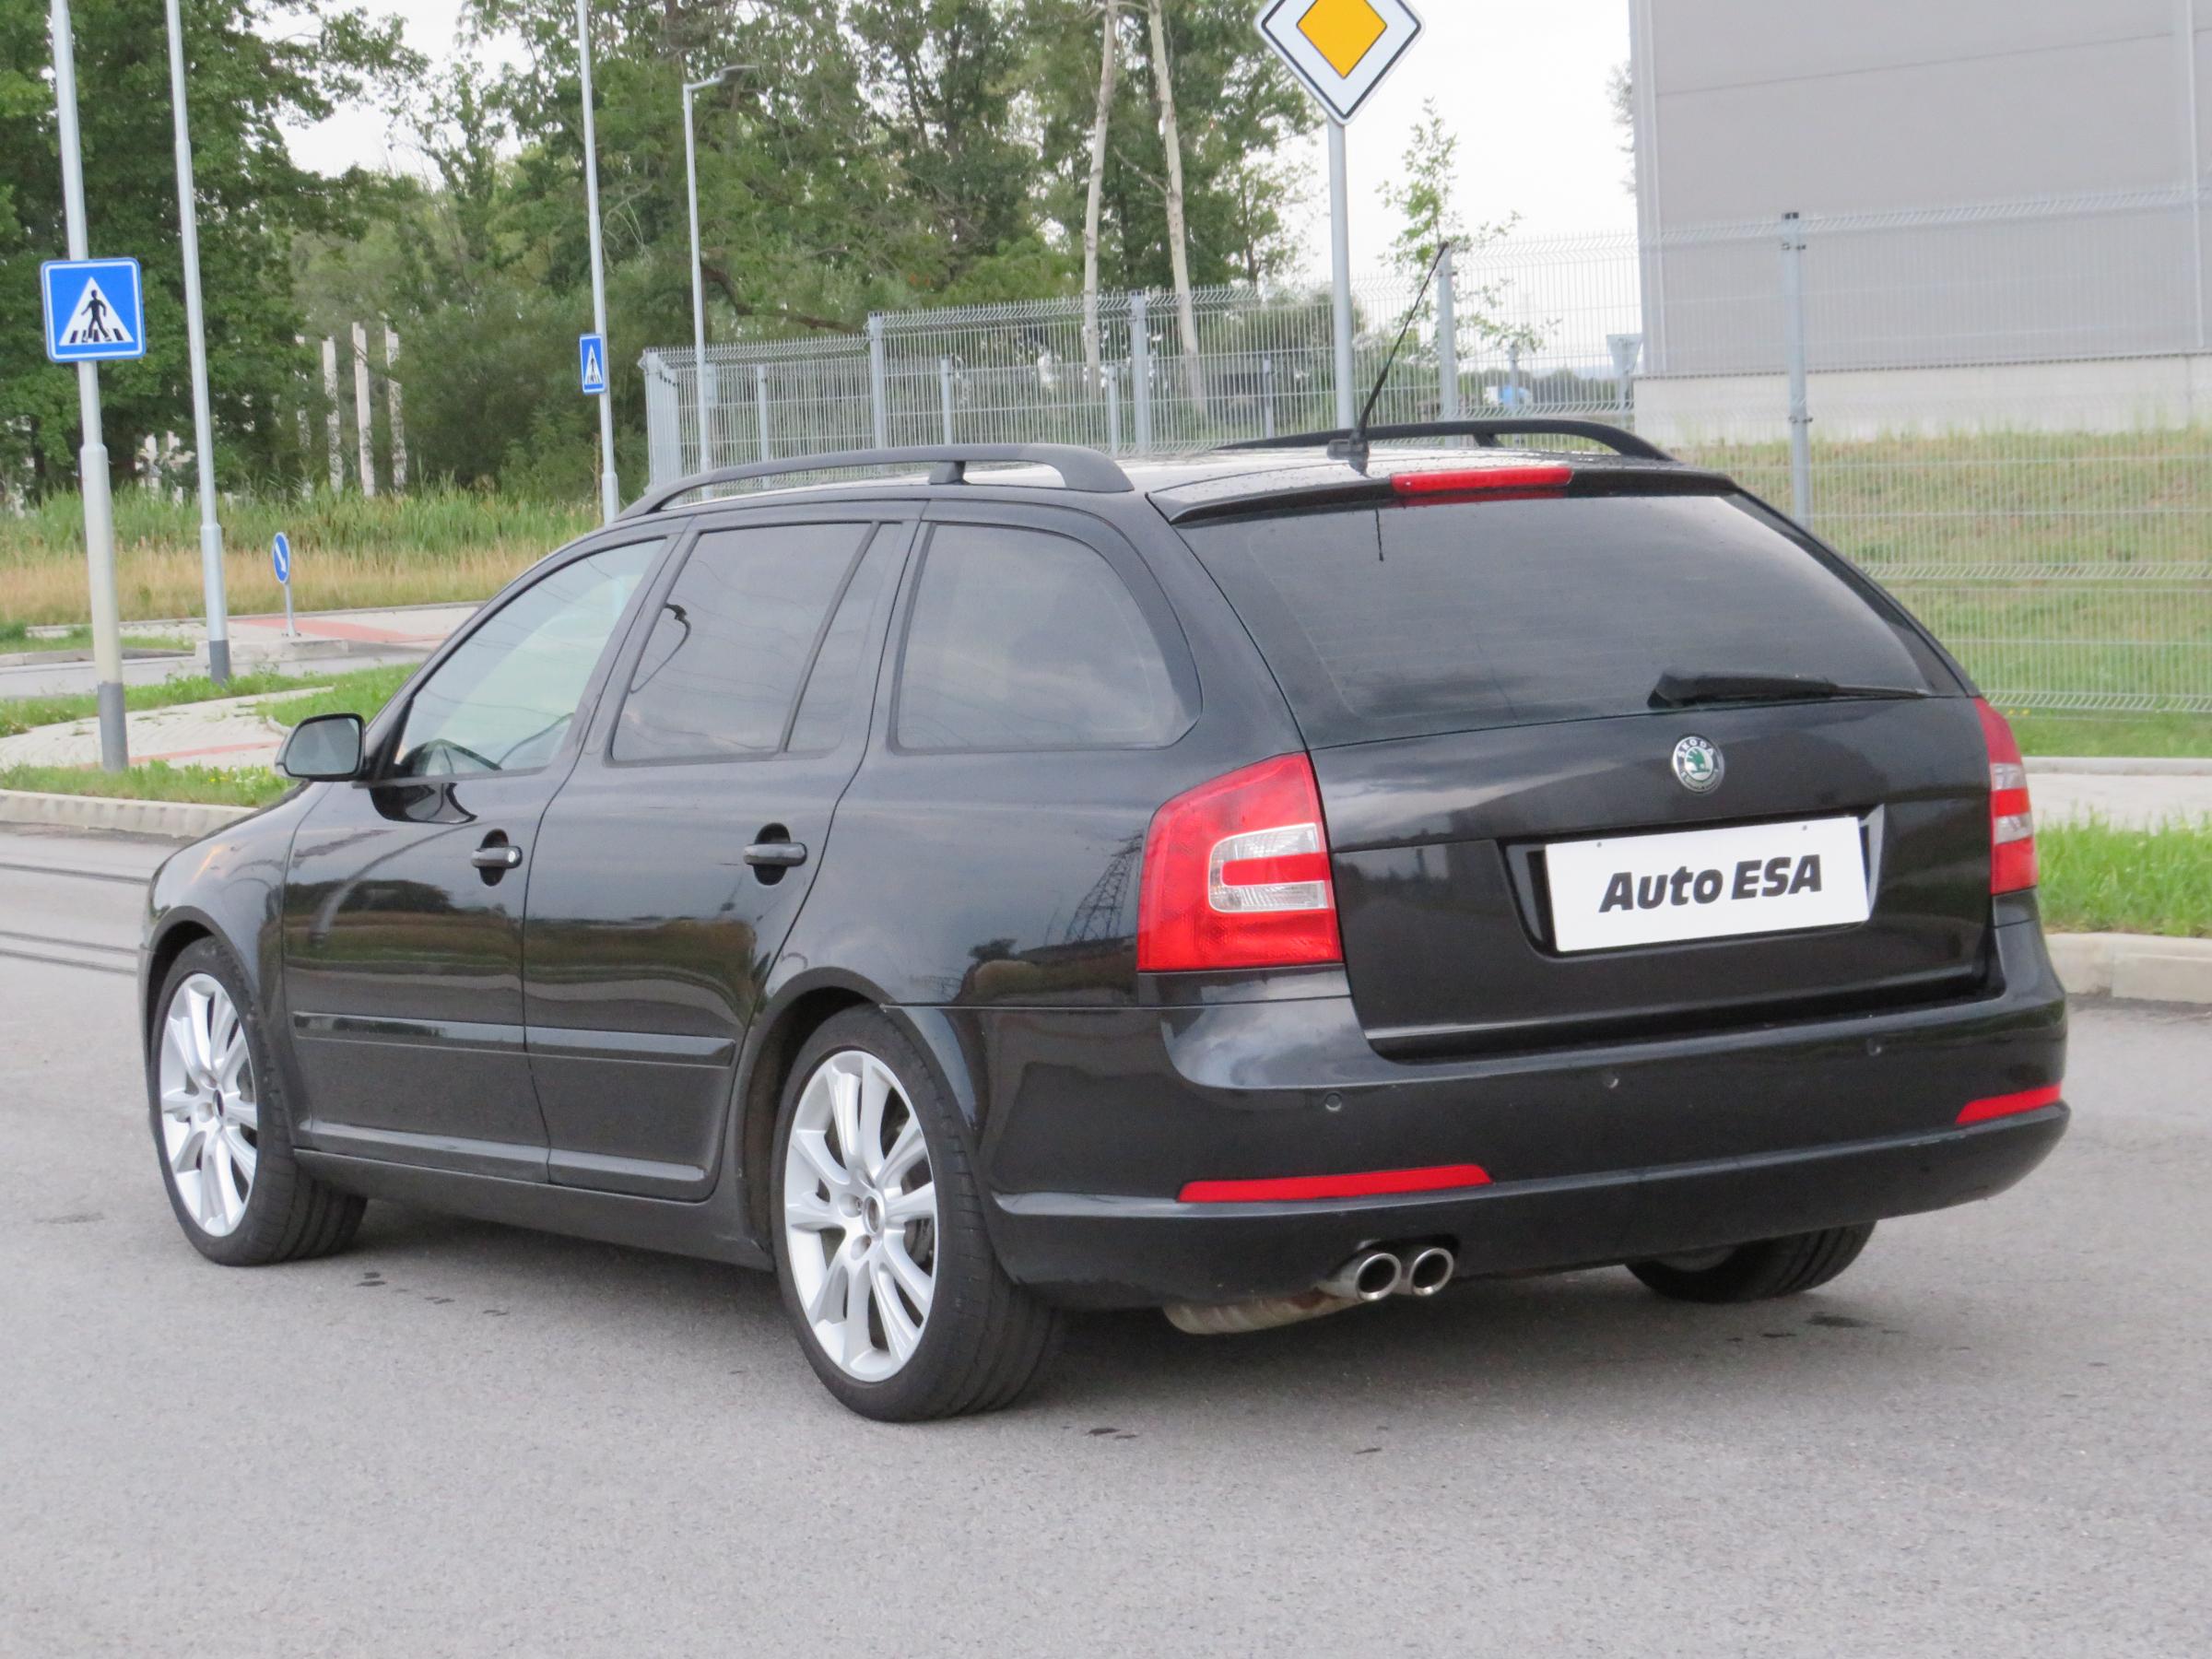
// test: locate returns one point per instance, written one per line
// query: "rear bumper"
(1094, 1120)
(1109, 1251)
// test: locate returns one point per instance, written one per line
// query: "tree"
(1094, 201)
(1178, 242)
(1424, 192)
(246, 81)
(1621, 93)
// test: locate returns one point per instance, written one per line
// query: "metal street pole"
(610, 487)
(691, 172)
(1340, 261)
(92, 458)
(196, 329)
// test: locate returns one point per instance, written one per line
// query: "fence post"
(399, 431)
(334, 420)
(1792, 345)
(761, 409)
(879, 388)
(364, 422)
(1447, 337)
(945, 393)
(1268, 395)
(1140, 369)
(1111, 375)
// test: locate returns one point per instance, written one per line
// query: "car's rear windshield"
(1399, 621)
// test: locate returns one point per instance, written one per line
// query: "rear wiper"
(1679, 690)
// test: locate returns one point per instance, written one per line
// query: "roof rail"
(1485, 431)
(1079, 468)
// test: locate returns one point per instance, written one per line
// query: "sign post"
(280, 562)
(1341, 50)
(89, 328)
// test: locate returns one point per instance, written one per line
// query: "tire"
(1757, 1272)
(287, 1214)
(983, 1340)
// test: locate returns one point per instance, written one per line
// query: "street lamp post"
(721, 77)
(610, 487)
(196, 329)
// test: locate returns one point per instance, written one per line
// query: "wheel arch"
(799, 1011)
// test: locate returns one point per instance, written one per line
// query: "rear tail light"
(1527, 476)
(2011, 819)
(1237, 876)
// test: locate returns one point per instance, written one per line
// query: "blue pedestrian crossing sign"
(591, 359)
(95, 310)
(280, 558)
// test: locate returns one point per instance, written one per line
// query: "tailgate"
(1444, 848)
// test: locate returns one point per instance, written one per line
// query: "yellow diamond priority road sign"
(1341, 49)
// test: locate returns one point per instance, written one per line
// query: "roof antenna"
(1353, 447)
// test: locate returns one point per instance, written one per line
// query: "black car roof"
(1314, 467)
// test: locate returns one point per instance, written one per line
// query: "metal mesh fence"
(2010, 406)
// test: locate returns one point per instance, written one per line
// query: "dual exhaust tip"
(1367, 1277)
(1375, 1273)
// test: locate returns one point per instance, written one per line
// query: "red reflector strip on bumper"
(1374, 1184)
(1997, 1106)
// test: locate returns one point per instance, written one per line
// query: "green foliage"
(2122, 734)
(28, 713)
(882, 155)
(2096, 878)
(153, 781)
(249, 77)
(364, 692)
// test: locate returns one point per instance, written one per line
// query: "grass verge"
(2100, 878)
(362, 693)
(23, 714)
(2133, 735)
(153, 781)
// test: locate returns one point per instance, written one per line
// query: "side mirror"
(326, 750)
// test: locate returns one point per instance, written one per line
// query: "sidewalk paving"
(229, 734)
(2127, 801)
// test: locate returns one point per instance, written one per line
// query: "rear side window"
(721, 671)
(1404, 621)
(1023, 640)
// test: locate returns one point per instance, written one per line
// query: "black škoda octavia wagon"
(1246, 885)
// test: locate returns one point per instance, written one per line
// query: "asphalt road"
(1990, 1438)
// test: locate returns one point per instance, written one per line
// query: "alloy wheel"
(210, 1110)
(860, 1215)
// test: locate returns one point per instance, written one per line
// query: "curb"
(2113, 766)
(2135, 966)
(168, 821)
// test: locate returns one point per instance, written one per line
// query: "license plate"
(1706, 884)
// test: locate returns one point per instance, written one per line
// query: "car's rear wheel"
(1756, 1272)
(222, 1127)
(900, 1303)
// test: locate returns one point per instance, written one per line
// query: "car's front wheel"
(1756, 1272)
(900, 1302)
(222, 1130)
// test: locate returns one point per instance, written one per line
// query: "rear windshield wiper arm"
(1679, 690)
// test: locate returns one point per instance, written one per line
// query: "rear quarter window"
(1023, 640)
(1400, 621)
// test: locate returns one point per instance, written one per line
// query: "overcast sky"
(1523, 86)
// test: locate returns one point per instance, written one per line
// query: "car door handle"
(500, 857)
(781, 855)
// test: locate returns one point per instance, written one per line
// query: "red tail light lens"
(1237, 876)
(1536, 476)
(2011, 1105)
(2011, 819)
